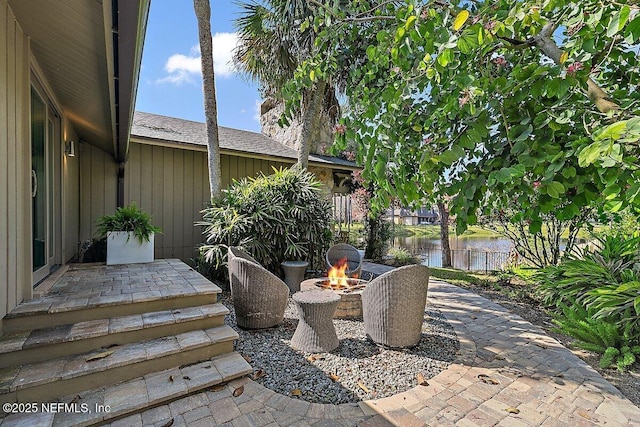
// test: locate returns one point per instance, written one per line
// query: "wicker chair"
(343, 250)
(259, 297)
(393, 306)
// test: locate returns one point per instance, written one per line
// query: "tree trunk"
(203, 14)
(444, 234)
(310, 122)
(545, 42)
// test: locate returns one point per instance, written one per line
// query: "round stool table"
(294, 273)
(315, 332)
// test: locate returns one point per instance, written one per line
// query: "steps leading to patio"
(104, 332)
(109, 403)
(47, 343)
(101, 292)
(43, 381)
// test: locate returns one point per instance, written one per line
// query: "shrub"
(401, 256)
(277, 217)
(614, 261)
(616, 345)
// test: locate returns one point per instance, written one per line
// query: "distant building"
(408, 216)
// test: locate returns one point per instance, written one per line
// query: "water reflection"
(468, 253)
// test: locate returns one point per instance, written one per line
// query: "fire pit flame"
(337, 278)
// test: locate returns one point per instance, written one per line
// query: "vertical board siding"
(23, 162)
(157, 175)
(5, 283)
(98, 182)
(13, 130)
(172, 185)
(15, 158)
(71, 203)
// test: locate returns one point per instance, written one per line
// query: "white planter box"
(124, 248)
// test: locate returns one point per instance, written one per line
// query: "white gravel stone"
(356, 364)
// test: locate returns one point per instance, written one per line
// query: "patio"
(507, 371)
(539, 383)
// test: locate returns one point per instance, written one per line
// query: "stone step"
(45, 381)
(137, 395)
(28, 347)
(100, 292)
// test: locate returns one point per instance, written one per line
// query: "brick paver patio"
(508, 372)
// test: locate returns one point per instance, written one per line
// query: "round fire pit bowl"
(350, 305)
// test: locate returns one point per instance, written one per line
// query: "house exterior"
(413, 216)
(68, 73)
(167, 173)
(68, 79)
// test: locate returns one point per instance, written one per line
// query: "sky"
(170, 79)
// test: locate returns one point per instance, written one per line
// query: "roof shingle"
(171, 129)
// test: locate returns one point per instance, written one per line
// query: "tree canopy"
(532, 104)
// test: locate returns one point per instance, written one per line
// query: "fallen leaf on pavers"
(334, 377)
(247, 358)
(218, 387)
(487, 379)
(512, 410)
(100, 356)
(363, 387)
(296, 392)
(584, 414)
(421, 380)
(76, 399)
(259, 374)
(237, 392)
(186, 377)
(168, 423)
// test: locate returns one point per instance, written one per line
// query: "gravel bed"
(356, 370)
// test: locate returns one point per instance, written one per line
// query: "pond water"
(468, 253)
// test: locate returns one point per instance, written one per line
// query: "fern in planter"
(615, 344)
(128, 218)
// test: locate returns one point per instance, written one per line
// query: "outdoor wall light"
(70, 149)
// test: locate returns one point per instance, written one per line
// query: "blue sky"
(170, 79)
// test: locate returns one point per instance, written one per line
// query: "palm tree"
(203, 14)
(271, 45)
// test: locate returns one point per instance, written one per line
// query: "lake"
(468, 253)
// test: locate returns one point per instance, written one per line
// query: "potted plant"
(129, 234)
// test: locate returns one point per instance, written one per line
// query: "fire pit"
(349, 288)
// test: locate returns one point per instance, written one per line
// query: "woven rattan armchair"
(393, 306)
(259, 297)
(343, 250)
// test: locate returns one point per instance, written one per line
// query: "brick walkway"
(508, 373)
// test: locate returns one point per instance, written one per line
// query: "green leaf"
(452, 155)
(589, 154)
(618, 20)
(633, 29)
(410, 21)
(535, 226)
(445, 57)
(613, 131)
(555, 189)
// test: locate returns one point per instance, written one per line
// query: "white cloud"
(182, 68)
(256, 110)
